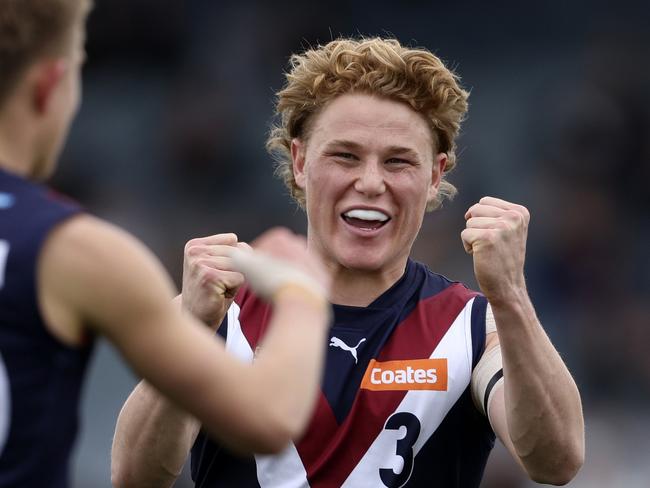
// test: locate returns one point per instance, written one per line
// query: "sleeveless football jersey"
(40, 378)
(395, 407)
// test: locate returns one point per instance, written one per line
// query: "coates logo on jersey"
(408, 374)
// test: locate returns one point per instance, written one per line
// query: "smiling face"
(368, 169)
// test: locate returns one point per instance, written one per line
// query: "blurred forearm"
(263, 406)
(291, 359)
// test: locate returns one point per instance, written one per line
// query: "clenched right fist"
(210, 281)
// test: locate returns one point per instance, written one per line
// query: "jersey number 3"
(404, 448)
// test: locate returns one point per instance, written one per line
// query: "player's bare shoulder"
(85, 267)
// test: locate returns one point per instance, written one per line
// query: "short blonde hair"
(375, 66)
(31, 28)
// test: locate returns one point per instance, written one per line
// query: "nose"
(370, 180)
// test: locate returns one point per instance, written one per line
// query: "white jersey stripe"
(281, 470)
(286, 470)
(5, 405)
(236, 342)
(430, 407)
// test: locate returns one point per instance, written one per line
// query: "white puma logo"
(336, 342)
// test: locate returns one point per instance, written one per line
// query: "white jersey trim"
(280, 470)
(286, 469)
(236, 341)
(430, 407)
(5, 405)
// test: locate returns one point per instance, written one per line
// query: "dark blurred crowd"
(178, 101)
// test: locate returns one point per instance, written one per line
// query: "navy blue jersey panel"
(45, 376)
(407, 322)
(373, 325)
(456, 455)
(478, 328)
(223, 328)
(213, 466)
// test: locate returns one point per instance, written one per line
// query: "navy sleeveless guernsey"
(40, 377)
(395, 407)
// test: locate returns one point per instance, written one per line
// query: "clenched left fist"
(495, 235)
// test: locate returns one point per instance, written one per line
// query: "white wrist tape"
(267, 275)
(487, 374)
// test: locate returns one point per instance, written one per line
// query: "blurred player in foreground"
(66, 276)
(421, 372)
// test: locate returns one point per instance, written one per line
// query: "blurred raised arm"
(266, 404)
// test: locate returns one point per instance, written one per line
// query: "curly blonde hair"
(376, 66)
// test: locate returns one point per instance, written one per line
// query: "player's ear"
(439, 164)
(47, 76)
(298, 157)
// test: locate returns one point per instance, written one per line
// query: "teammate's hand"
(280, 259)
(209, 279)
(495, 235)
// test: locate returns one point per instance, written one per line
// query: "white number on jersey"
(5, 405)
(4, 252)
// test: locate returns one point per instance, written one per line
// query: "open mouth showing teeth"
(366, 219)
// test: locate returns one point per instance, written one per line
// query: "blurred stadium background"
(169, 144)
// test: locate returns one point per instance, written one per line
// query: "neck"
(360, 288)
(16, 146)
(12, 164)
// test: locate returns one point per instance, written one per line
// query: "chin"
(362, 261)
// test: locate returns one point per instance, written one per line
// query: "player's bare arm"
(144, 453)
(173, 351)
(153, 436)
(537, 411)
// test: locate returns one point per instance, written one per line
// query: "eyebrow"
(342, 143)
(347, 144)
